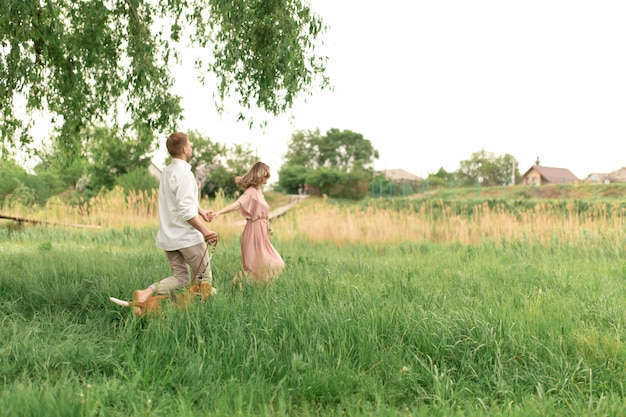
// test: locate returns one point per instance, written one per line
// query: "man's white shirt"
(178, 203)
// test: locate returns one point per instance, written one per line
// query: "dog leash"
(208, 264)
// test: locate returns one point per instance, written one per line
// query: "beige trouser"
(183, 263)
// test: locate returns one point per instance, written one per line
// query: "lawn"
(391, 312)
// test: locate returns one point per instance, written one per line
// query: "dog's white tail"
(120, 302)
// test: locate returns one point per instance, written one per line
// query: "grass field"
(409, 310)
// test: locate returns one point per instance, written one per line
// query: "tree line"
(107, 158)
(338, 163)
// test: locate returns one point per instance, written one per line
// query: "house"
(399, 175)
(539, 175)
(154, 170)
(597, 178)
(615, 176)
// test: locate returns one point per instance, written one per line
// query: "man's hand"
(210, 237)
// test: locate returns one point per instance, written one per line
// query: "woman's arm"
(232, 207)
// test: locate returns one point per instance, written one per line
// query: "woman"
(258, 256)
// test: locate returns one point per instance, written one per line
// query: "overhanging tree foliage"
(86, 61)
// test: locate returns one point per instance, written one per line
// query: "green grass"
(412, 329)
(581, 191)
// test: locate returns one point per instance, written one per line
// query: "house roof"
(554, 175)
(154, 170)
(155, 166)
(597, 176)
(399, 175)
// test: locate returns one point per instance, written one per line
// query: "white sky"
(431, 82)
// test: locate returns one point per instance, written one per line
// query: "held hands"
(210, 236)
(235, 206)
(207, 215)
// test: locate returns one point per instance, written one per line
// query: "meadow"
(401, 307)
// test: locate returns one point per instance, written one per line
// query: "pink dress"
(258, 256)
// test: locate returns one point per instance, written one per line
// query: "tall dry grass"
(113, 209)
(318, 220)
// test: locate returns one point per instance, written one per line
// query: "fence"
(412, 187)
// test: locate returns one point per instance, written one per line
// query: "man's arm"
(209, 235)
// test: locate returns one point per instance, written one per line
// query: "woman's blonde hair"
(258, 175)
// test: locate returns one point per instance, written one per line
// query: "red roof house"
(539, 175)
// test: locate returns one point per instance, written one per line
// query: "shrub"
(138, 179)
(291, 177)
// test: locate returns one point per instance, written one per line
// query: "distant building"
(612, 177)
(597, 178)
(618, 175)
(155, 171)
(399, 175)
(540, 175)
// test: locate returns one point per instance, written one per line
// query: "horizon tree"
(488, 169)
(338, 163)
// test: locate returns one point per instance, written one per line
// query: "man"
(182, 233)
